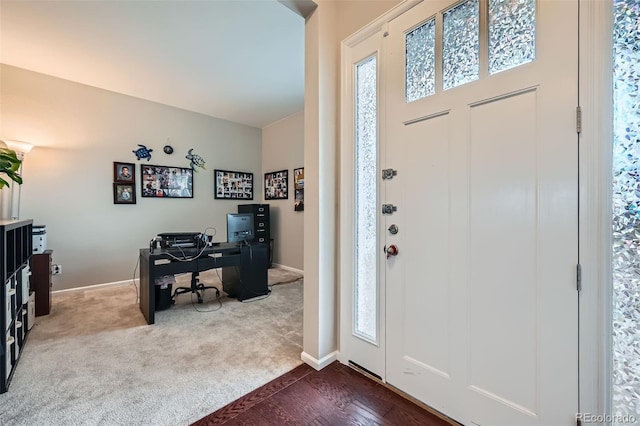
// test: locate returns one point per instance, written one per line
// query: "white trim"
(319, 364)
(282, 119)
(375, 26)
(136, 282)
(288, 268)
(595, 205)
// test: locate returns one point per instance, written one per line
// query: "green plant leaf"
(3, 183)
(9, 164)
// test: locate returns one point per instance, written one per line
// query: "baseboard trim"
(97, 286)
(319, 364)
(137, 282)
(288, 268)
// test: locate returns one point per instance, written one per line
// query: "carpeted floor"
(94, 360)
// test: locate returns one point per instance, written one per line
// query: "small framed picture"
(276, 185)
(298, 185)
(124, 193)
(124, 172)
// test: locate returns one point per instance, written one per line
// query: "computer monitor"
(239, 227)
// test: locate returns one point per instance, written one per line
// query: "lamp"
(21, 148)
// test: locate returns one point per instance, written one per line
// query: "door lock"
(392, 250)
(389, 208)
(389, 173)
(393, 229)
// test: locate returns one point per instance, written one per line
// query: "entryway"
(461, 157)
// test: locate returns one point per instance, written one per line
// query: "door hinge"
(578, 119)
(579, 277)
(578, 422)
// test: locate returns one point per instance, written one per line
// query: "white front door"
(481, 299)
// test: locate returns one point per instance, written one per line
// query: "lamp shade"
(18, 146)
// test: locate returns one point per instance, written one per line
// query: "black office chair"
(196, 287)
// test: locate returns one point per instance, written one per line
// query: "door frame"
(594, 225)
(595, 182)
(347, 194)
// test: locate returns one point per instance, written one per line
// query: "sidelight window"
(626, 210)
(366, 155)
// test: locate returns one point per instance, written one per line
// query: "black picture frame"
(166, 181)
(124, 172)
(124, 193)
(232, 185)
(276, 185)
(298, 186)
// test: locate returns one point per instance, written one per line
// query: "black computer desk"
(243, 262)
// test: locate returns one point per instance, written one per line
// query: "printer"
(39, 233)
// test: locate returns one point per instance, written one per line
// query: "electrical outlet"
(56, 269)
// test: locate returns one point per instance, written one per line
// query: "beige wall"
(79, 131)
(283, 149)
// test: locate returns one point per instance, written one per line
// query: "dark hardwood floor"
(335, 395)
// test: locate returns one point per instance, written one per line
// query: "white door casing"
(365, 352)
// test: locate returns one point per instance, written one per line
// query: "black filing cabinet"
(261, 224)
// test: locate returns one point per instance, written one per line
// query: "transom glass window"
(512, 33)
(421, 61)
(366, 283)
(460, 44)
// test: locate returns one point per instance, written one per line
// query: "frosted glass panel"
(512, 33)
(366, 285)
(626, 210)
(460, 46)
(421, 61)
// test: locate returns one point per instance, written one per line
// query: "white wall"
(79, 131)
(283, 149)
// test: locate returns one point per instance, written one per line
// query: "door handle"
(392, 250)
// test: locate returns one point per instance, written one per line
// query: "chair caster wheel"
(173, 302)
(199, 300)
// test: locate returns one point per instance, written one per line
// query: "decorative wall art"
(124, 193)
(196, 160)
(276, 185)
(143, 152)
(124, 172)
(232, 185)
(166, 182)
(298, 185)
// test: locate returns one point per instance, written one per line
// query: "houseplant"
(9, 165)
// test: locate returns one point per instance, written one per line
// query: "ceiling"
(239, 60)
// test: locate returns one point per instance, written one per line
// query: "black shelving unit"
(15, 251)
(261, 224)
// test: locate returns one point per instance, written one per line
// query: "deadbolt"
(389, 208)
(393, 229)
